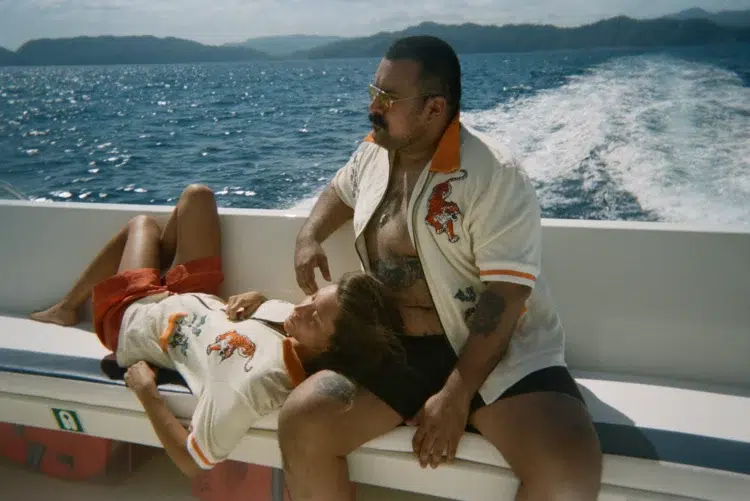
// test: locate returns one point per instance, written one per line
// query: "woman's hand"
(241, 306)
(141, 378)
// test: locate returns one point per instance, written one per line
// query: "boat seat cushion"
(669, 421)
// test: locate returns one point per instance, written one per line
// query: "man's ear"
(437, 107)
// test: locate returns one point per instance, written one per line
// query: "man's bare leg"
(550, 443)
(323, 420)
(105, 264)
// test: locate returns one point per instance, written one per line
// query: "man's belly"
(417, 311)
(420, 321)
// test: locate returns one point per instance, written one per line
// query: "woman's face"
(313, 321)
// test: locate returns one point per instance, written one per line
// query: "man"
(451, 224)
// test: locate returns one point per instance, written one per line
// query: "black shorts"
(429, 362)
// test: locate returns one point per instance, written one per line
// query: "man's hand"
(141, 378)
(441, 422)
(241, 306)
(308, 255)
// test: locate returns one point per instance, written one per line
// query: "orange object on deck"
(63, 454)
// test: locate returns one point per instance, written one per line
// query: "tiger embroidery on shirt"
(441, 212)
(232, 342)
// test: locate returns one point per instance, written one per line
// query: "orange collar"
(447, 157)
(292, 362)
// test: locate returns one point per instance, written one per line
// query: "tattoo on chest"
(489, 310)
(390, 207)
(335, 386)
(400, 272)
(384, 217)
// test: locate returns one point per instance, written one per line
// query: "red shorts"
(112, 296)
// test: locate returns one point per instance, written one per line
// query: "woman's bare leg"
(134, 246)
(169, 238)
(142, 246)
(194, 230)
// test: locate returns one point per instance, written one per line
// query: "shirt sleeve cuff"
(199, 454)
(516, 273)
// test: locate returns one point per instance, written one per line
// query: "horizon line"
(345, 37)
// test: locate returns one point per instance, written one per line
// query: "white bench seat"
(664, 437)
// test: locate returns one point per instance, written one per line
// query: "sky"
(221, 21)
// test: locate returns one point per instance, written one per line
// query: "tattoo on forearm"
(489, 311)
(399, 272)
(336, 386)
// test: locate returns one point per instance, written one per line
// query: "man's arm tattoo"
(335, 386)
(400, 272)
(489, 311)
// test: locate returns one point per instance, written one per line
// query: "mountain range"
(6, 56)
(284, 45)
(725, 18)
(124, 50)
(617, 32)
(690, 27)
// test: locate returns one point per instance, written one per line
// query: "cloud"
(219, 21)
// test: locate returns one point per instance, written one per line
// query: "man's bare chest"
(387, 232)
(394, 260)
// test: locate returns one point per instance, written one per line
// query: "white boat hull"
(657, 319)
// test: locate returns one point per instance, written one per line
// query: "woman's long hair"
(366, 330)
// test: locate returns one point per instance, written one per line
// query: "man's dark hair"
(441, 71)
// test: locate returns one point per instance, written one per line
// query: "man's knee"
(306, 419)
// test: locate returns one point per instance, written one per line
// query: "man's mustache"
(378, 120)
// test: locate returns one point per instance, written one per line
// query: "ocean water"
(657, 135)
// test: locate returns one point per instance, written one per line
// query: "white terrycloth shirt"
(473, 218)
(239, 371)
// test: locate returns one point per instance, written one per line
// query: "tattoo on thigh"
(399, 272)
(489, 311)
(336, 386)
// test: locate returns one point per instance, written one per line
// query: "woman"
(240, 358)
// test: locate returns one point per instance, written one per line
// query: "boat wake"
(645, 137)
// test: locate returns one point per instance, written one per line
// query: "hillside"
(6, 56)
(473, 38)
(286, 44)
(125, 50)
(684, 28)
(738, 18)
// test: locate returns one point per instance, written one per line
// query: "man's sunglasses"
(385, 101)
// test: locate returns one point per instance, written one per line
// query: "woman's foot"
(57, 314)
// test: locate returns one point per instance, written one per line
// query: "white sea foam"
(671, 132)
